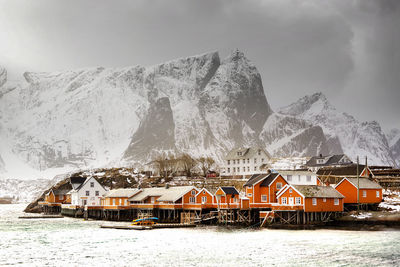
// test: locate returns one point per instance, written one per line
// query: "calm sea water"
(74, 242)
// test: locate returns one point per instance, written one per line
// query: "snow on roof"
(365, 183)
(122, 192)
(165, 194)
(295, 172)
(248, 152)
(318, 191)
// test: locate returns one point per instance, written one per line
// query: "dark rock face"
(155, 132)
(3, 76)
(395, 149)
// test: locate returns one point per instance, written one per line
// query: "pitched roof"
(76, 182)
(365, 183)
(332, 160)
(164, 194)
(318, 191)
(59, 192)
(255, 178)
(271, 177)
(349, 170)
(229, 190)
(122, 192)
(245, 153)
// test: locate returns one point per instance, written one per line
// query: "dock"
(42, 217)
(149, 227)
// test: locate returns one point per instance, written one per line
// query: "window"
(249, 194)
(61, 197)
(91, 184)
(314, 201)
(192, 200)
(284, 200)
(336, 201)
(248, 160)
(259, 152)
(262, 160)
(263, 198)
(255, 168)
(364, 193)
(97, 193)
(278, 185)
(120, 201)
(244, 161)
(298, 200)
(255, 160)
(290, 190)
(113, 201)
(229, 169)
(248, 169)
(204, 192)
(377, 193)
(234, 169)
(308, 178)
(126, 202)
(244, 169)
(84, 202)
(324, 199)
(87, 193)
(203, 200)
(193, 192)
(229, 162)
(289, 178)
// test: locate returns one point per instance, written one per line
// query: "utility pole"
(358, 187)
(366, 166)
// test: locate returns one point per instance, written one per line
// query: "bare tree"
(188, 164)
(206, 164)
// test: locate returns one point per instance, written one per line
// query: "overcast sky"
(349, 50)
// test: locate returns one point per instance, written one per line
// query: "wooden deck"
(154, 226)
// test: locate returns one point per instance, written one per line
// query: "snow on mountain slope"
(363, 139)
(394, 143)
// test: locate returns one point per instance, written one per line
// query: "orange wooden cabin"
(227, 197)
(205, 198)
(118, 197)
(56, 196)
(261, 189)
(309, 198)
(370, 191)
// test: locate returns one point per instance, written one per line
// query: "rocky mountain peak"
(3, 76)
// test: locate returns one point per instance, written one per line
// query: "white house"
(299, 177)
(86, 192)
(245, 161)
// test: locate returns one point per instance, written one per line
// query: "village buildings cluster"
(329, 185)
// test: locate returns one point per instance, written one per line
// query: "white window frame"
(249, 194)
(377, 193)
(291, 201)
(364, 193)
(97, 193)
(284, 201)
(289, 178)
(91, 184)
(314, 201)
(264, 198)
(87, 193)
(113, 202)
(308, 178)
(203, 200)
(297, 201)
(192, 200)
(324, 200)
(193, 192)
(278, 185)
(336, 202)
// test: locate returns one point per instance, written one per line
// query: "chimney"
(320, 155)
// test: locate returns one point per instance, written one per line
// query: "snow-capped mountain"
(394, 143)
(343, 130)
(108, 117)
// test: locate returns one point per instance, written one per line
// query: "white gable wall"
(81, 198)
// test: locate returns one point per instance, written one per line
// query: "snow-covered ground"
(391, 201)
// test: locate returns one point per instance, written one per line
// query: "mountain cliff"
(201, 105)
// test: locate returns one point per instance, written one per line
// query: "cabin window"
(203, 200)
(364, 193)
(126, 202)
(113, 201)
(278, 186)
(314, 201)
(336, 201)
(377, 193)
(91, 184)
(204, 192)
(229, 169)
(298, 200)
(97, 193)
(284, 200)
(192, 200)
(308, 178)
(193, 192)
(324, 199)
(229, 162)
(263, 198)
(87, 193)
(61, 197)
(120, 201)
(249, 194)
(290, 190)
(289, 178)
